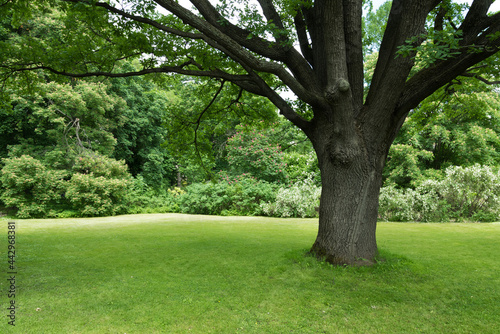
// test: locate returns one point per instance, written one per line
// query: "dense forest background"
(92, 147)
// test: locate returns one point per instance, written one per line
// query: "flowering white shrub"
(471, 191)
(408, 205)
(298, 200)
(466, 193)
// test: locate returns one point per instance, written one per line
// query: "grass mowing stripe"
(198, 274)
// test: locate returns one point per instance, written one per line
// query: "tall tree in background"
(252, 45)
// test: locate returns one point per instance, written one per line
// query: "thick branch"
(239, 35)
(427, 81)
(270, 13)
(301, 28)
(272, 16)
(329, 43)
(406, 19)
(439, 22)
(285, 109)
(354, 49)
(281, 51)
(475, 19)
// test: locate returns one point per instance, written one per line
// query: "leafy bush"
(302, 166)
(298, 200)
(470, 191)
(99, 186)
(465, 193)
(30, 187)
(99, 165)
(405, 165)
(242, 196)
(141, 198)
(204, 198)
(96, 196)
(246, 195)
(411, 205)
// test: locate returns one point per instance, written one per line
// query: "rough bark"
(348, 210)
(351, 160)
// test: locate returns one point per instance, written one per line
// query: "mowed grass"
(169, 273)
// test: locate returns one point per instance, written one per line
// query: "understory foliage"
(251, 152)
(241, 196)
(463, 193)
(30, 187)
(298, 200)
(96, 186)
(457, 194)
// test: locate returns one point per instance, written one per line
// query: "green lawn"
(169, 273)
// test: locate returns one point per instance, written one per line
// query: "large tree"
(313, 48)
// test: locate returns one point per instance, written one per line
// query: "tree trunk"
(348, 214)
(351, 173)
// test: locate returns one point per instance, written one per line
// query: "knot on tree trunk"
(343, 151)
(340, 86)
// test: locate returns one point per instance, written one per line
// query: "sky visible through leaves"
(494, 8)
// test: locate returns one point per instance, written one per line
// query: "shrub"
(470, 191)
(97, 196)
(31, 188)
(100, 165)
(405, 165)
(298, 200)
(395, 205)
(246, 195)
(203, 198)
(411, 205)
(99, 186)
(241, 196)
(141, 198)
(465, 193)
